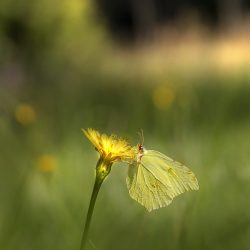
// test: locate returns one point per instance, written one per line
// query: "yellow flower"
(111, 148)
(46, 163)
(25, 114)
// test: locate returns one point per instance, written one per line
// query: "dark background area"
(135, 17)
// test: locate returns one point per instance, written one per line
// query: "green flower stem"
(103, 168)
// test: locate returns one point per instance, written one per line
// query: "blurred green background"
(186, 86)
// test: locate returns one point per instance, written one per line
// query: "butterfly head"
(140, 148)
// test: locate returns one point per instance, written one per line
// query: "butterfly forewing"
(177, 176)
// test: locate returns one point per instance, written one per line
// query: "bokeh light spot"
(25, 114)
(47, 163)
(163, 96)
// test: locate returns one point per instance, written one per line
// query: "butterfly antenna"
(141, 136)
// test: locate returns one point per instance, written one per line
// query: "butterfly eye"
(140, 148)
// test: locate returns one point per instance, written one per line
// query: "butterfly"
(154, 179)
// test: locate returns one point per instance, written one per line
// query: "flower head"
(111, 148)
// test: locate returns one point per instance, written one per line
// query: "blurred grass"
(64, 76)
(206, 127)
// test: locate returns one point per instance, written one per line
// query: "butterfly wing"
(146, 189)
(177, 176)
(157, 179)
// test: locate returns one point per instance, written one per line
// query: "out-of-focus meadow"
(187, 87)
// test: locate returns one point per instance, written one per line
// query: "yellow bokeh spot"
(25, 114)
(163, 96)
(74, 9)
(47, 163)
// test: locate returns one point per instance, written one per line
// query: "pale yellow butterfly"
(154, 179)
